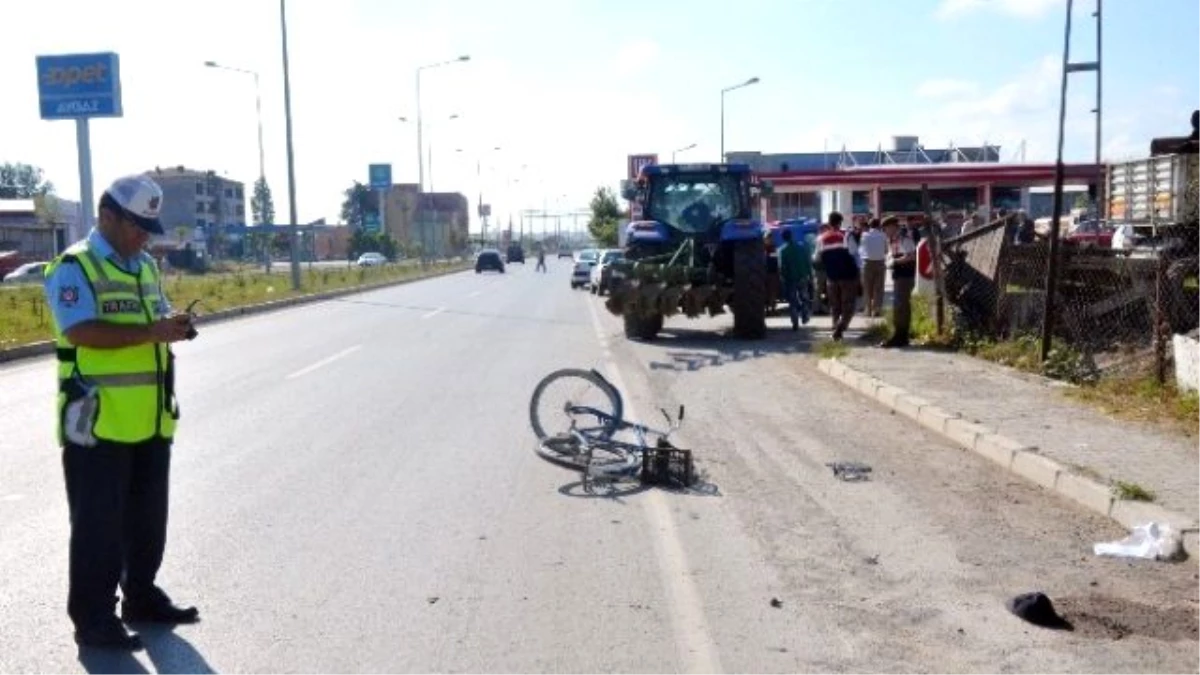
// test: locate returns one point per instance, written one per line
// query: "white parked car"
(371, 259)
(601, 277)
(27, 274)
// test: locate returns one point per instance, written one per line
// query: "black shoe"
(163, 611)
(893, 344)
(108, 635)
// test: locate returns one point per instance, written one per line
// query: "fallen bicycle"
(581, 436)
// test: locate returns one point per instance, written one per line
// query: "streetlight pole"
(430, 161)
(420, 141)
(262, 162)
(291, 160)
(262, 172)
(747, 83)
(689, 147)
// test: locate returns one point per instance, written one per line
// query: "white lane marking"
(435, 312)
(475, 294)
(693, 639)
(324, 362)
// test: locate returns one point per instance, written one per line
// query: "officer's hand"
(171, 329)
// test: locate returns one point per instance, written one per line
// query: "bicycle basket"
(665, 465)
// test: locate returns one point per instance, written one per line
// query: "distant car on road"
(601, 276)
(582, 274)
(565, 253)
(489, 259)
(371, 259)
(516, 254)
(26, 274)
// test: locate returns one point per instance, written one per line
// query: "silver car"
(582, 273)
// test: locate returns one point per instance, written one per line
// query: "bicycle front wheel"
(574, 400)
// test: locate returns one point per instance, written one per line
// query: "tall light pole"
(747, 83)
(452, 117)
(688, 147)
(291, 160)
(262, 171)
(262, 163)
(479, 185)
(420, 142)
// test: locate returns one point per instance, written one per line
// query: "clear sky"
(568, 88)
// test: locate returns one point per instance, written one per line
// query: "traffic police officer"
(116, 415)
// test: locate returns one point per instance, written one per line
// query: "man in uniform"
(116, 415)
(902, 257)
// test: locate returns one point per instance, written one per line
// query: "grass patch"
(1143, 399)
(831, 349)
(1132, 492)
(922, 328)
(25, 318)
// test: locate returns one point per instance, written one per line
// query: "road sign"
(639, 162)
(381, 176)
(77, 86)
(371, 222)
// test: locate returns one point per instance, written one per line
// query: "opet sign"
(74, 86)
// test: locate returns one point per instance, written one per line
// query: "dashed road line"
(324, 362)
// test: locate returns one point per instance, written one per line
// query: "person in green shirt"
(796, 270)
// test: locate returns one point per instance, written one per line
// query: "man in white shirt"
(874, 252)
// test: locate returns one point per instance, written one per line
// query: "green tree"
(23, 181)
(262, 206)
(387, 245)
(606, 217)
(358, 201)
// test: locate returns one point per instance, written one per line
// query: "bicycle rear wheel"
(575, 400)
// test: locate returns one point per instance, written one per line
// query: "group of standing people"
(848, 264)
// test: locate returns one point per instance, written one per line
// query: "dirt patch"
(1105, 617)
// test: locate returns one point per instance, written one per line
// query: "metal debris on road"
(850, 471)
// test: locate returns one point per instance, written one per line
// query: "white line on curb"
(694, 643)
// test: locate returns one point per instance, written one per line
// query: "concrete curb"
(1016, 457)
(47, 347)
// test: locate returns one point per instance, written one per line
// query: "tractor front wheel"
(749, 301)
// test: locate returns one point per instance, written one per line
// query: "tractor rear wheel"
(749, 301)
(641, 327)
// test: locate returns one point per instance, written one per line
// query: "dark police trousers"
(117, 495)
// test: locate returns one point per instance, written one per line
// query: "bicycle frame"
(605, 420)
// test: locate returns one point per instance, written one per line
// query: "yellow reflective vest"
(123, 395)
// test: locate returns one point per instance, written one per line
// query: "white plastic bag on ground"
(1151, 541)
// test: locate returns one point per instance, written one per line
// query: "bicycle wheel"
(573, 399)
(601, 458)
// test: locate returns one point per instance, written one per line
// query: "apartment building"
(195, 199)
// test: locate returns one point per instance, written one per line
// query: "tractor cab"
(705, 203)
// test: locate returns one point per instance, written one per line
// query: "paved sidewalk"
(1035, 413)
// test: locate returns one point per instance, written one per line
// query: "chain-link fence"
(1114, 311)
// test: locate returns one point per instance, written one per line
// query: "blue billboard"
(380, 176)
(74, 86)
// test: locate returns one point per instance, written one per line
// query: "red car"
(1090, 233)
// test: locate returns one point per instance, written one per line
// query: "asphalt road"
(354, 491)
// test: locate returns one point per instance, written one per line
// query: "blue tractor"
(695, 249)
